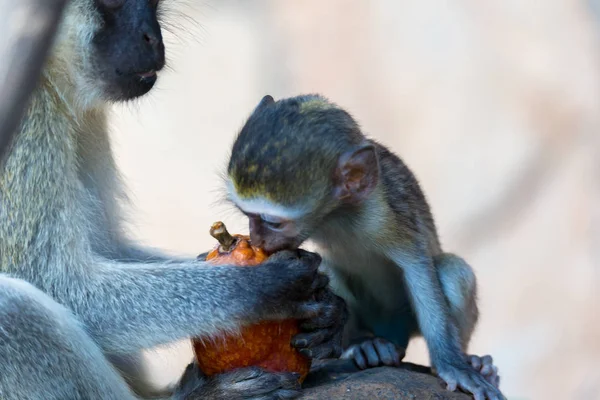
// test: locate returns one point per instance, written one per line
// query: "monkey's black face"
(129, 47)
(274, 234)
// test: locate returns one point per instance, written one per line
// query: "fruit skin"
(266, 344)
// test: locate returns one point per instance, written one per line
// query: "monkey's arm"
(128, 307)
(436, 326)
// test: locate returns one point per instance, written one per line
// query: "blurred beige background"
(495, 105)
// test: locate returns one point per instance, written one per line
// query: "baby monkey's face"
(294, 163)
(274, 233)
(273, 226)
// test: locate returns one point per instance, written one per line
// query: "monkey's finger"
(475, 361)
(321, 283)
(451, 385)
(255, 382)
(479, 387)
(487, 370)
(398, 353)
(369, 350)
(318, 352)
(488, 366)
(305, 340)
(311, 259)
(355, 353)
(487, 360)
(327, 318)
(468, 385)
(284, 256)
(308, 310)
(241, 375)
(384, 351)
(450, 379)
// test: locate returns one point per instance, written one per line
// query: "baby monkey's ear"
(357, 174)
(268, 99)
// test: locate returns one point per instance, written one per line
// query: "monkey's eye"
(272, 222)
(274, 225)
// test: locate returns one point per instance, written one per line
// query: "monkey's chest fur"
(372, 285)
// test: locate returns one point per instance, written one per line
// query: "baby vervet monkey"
(302, 169)
(79, 301)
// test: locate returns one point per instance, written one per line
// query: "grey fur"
(79, 292)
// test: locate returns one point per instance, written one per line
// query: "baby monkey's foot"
(485, 366)
(374, 352)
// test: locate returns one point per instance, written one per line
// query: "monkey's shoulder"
(403, 195)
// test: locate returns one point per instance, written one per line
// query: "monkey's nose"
(153, 39)
(151, 36)
(258, 242)
(256, 239)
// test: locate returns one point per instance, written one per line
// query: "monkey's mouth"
(126, 85)
(148, 77)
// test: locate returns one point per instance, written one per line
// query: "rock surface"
(340, 380)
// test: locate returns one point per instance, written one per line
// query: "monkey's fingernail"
(305, 352)
(300, 343)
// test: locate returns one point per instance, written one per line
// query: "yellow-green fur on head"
(287, 151)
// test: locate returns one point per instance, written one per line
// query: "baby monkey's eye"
(272, 222)
(274, 225)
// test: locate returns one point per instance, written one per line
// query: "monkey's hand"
(240, 384)
(373, 352)
(467, 378)
(322, 335)
(286, 285)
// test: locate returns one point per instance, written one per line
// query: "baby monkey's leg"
(460, 289)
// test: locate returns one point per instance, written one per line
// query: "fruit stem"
(219, 232)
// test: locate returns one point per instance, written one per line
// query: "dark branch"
(27, 28)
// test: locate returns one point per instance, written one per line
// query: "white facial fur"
(263, 206)
(71, 61)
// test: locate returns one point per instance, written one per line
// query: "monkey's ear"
(268, 99)
(357, 174)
